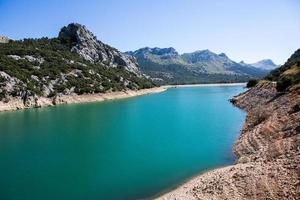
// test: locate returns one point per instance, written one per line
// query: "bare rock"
(85, 43)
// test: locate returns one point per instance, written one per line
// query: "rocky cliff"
(268, 149)
(85, 43)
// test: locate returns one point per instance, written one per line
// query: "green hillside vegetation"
(183, 75)
(287, 76)
(60, 67)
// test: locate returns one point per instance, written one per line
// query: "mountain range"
(167, 66)
(76, 62)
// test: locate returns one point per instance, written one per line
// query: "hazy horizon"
(249, 31)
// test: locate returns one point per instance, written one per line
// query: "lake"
(132, 148)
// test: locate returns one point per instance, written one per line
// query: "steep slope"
(167, 66)
(75, 63)
(287, 76)
(267, 64)
(268, 165)
(84, 43)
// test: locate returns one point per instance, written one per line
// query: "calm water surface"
(116, 150)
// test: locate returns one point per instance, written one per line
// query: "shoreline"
(181, 191)
(17, 104)
(266, 166)
(181, 188)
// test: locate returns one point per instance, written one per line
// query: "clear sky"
(248, 30)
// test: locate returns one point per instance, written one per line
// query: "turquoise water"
(127, 149)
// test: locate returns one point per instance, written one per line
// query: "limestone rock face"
(85, 43)
(4, 39)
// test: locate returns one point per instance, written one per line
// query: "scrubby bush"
(2, 95)
(283, 76)
(2, 79)
(57, 57)
(251, 83)
(259, 115)
(283, 83)
(296, 108)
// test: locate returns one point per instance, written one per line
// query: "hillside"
(268, 153)
(74, 63)
(287, 76)
(167, 66)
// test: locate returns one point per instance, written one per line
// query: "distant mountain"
(267, 64)
(167, 66)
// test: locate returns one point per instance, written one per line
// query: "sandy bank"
(17, 104)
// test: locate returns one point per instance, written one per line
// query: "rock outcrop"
(85, 43)
(4, 39)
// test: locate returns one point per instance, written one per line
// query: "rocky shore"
(268, 151)
(17, 103)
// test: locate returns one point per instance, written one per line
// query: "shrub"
(2, 95)
(2, 79)
(251, 83)
(283, 83)
(259, 115)
(296, 108)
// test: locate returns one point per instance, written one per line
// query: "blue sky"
(244, 30)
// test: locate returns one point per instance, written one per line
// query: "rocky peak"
(206, 56)
(82, 41)
(267, 64)
(267, 61)
(223, 55)
(163, 53)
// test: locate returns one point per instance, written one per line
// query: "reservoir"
(125, 149)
